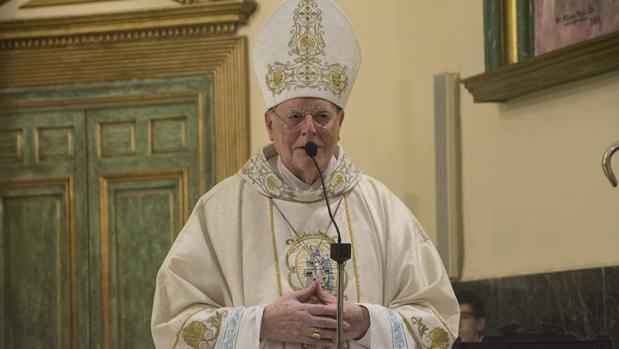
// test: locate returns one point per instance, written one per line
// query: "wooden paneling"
(116, 139)
(11, 146)
(222, 59)
(168, 135)
(43, 3)
(138, 203)
(140, 217)
(43, 232)
(154, 91)
(36, 267)
(54, 144)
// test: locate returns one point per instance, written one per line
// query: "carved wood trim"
(42, 3)
(224, 57)
(212, 18)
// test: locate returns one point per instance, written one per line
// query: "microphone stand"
(340, 252)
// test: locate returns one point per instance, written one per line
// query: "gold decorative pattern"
(440, 318)
(307, 45)
(200, 335)
(119, 36)
(436, 338)
(275, 253)
(178, 333)
(207, 19)
(353, 247)
(259, 172)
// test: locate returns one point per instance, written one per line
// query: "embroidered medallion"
(308, 258)
(307, 45)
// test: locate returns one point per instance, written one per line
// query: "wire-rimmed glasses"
(322, 118)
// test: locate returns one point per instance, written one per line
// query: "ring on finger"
(315, 335)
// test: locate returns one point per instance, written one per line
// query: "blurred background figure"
(472, 316)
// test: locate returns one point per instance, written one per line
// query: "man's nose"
(309, 128)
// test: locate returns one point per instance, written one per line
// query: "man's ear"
(268, 123)
(341, 117)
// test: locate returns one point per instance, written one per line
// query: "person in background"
(472, 317)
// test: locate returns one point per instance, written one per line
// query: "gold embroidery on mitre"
(307, 44)
(199, 335)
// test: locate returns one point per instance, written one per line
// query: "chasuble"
(254, 237)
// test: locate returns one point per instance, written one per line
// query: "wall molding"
(211, 18)
(185, 53)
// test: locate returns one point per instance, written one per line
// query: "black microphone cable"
(311, 149)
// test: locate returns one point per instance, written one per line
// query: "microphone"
(311, 149)
(339, 252)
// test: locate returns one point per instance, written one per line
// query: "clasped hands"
(290, 319)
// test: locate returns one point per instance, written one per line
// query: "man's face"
(470, 327)
(290, 140)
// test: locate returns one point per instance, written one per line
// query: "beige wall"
(535, 198)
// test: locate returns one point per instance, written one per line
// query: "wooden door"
(95, 183)
(43, 231)
(143, 173)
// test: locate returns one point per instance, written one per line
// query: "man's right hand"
(289, 319)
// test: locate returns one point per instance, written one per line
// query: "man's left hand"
(354, 314)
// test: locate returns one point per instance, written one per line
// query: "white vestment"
(254, 237)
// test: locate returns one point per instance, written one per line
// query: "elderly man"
(251, 267)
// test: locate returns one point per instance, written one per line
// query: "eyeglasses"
(321, 118)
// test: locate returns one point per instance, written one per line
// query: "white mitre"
(306, 48)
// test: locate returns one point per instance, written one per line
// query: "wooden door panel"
(132, 157)
(143, 173)
(43, 230)
(36, 268)
(41, 143)
(141, 218)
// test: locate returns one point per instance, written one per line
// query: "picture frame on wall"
(578, 39)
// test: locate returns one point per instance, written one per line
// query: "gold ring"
(315, 335)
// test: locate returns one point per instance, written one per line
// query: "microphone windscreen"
(311, 149)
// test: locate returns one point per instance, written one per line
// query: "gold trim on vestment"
(441, 320)
(409, 327)
(178, 333)
(275, 254)
(354, 255)
(437, 335)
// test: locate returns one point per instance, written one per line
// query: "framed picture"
(535, 44)
(561, 23)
